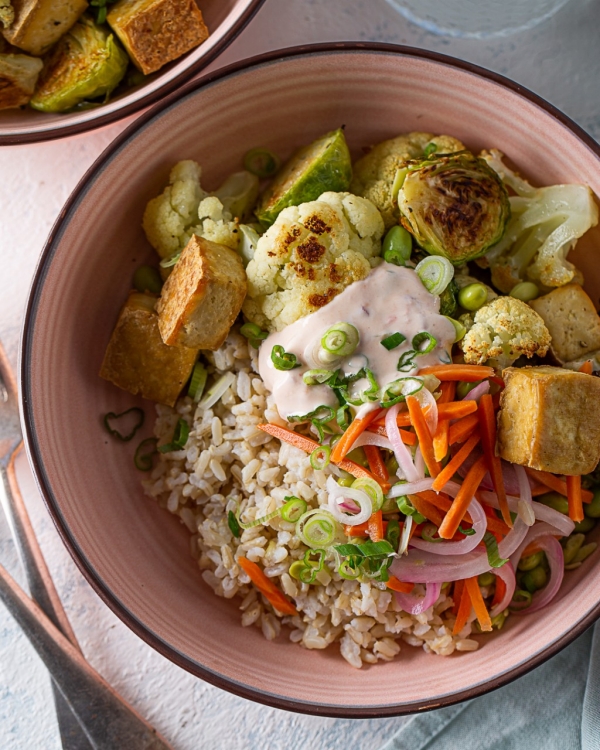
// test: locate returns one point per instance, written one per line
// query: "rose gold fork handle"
(107, 720)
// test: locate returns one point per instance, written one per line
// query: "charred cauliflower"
(502, 331)
(309, 255)
(7, 13)
(375, 173)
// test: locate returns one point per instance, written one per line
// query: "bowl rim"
(34, 453)
(63, 131)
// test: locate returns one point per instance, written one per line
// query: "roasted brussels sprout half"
(455, 205)
(448, 303)
(86, 63)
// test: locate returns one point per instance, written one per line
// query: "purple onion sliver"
(476, 393)
(400, 450)
(464, 545)
(507, 574)
(415, 605)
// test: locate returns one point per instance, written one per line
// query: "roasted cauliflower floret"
(375, 173)
(309, 255)
(7, 13)
(502, 331)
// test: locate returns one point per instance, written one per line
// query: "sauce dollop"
(391, 299)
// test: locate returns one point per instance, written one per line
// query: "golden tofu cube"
(154, 32)
(39, 24)
(203, 296)
(572, 320)
(18, 76)
(138, 361)
(549, 419)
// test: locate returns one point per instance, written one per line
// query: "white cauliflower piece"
(7, 13)
(217, 224)
(502, 331)
(309, 255)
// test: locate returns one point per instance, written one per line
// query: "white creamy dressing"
(391, 299)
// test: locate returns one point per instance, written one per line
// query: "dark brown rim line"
(145, 101)
(92, 577)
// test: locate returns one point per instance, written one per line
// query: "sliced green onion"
(466, 532)
(428, 531)
(261, 162)
(168, 262)
(397, 184)
(393, 340)
(293, 509)
(368, 394)
(319, 458)
(317, 528)
(491, 546)
(376, 567)
(435, 272)
(398, 390)
(522, 597)
(283, 360)
(322, 414)
(179, 439)
(373, 490)
(144, 454)
(296, 569)
(365, 549)
(341, 339)
(253, 333)
(392, 533)
(343, 417)
(234, 525)
(311, 566)
(430, 149)
(136, 426)
(349, 569)
(406, 363)
(198, 381)
(317, 377)
(216, 391)
(408, 509)
(257, 521)
(459, 329)
(423, 343)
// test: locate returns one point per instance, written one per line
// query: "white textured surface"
(559, 60)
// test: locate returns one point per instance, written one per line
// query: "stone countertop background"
(559, 59)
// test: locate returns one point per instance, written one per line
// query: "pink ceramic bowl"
(225, 20)
(135, 555)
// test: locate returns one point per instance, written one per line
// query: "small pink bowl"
(225, 20)
(135, 555)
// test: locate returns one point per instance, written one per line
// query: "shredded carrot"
(376, 463)
(483, 615)
(454, 410)
(462, 500)
(360, 472)
(574, 498)
(448, 390)
(361, 529)
(397, 585)
(556, 483)
(441, 501)
(487, 428)
(457, 594)
(534, 547)
(375, 526)
(440, 440)
(539, 490)
(266, 587)
(455, 463)
(422, 429)
(464, 428)
(356, 428)
(464, 610)
(498, 528)
(427, 509)
(466, 373)
(409, 438)
(499, 592)
(587, 368)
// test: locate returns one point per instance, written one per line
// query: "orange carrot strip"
(455, 463)
(361, 529)
(534, 547)
(427, 509)
(375, 526)
(494, 524)
(556, 483)
(487, 427)
(266, 587)
(539, 490)
(483, 615)
(360, 472)
(441, 501)
(499, 592)
(357, 426)
(376, 463)
(457, 595)
(440, 440)
(574, 498)
(397, 585)
(454, 410)
(464, 428)
(466, 373)
(587, 367)
(409, 438)
(425, 440)
(464, 610)
(462, 500)
(448, 390)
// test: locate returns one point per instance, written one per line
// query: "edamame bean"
(392, 465)
(592, 510)
(584, 552)
(525, 291)
(346, 481)
(556, 501)
(472, 297)
(572, 546)
(531, 561)
(486, 579)
(359, 456)
(535, 579)
(147, 279)
(582, 527)
(397, 246)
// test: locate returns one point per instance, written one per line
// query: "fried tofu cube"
(38, 24)
(572, 320)
(138, 361)
(154, 32)
(549, 419)
(18, 76)
(203, 296)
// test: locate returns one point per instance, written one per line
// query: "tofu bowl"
(37, 58)
(135, 551)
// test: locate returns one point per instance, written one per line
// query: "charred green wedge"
(85, 64)
(315, 169)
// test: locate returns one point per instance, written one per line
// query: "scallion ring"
(197, 381)
(319, 458)
(317, 377)
(393, 340)
(406, 507)
(111, 416)
(253, 333)
(234, 525)
(317, 528)
(435, 273)
(261, 162)
(179, 439)
(144, 454)
(406, 363)
(398, 390)
(340, 340)
(283, 360)
(349, 569)
(423, 343)
(168, 262)
(373, 490)
(293, 509)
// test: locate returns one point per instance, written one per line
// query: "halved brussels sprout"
(455, 205)
(86, 63)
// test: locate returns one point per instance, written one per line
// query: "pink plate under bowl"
(225, 19)
(136, 555)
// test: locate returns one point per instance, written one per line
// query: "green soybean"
(592, 510)
(584, 552)
(531, 561)
(486, 579)
(397, 246)
(346, 481)
(572, 547)
(556, 501)
(472, 297)
(147, 279)
(535, 579)
(359, 457)
(582, 527)
(525, 291)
